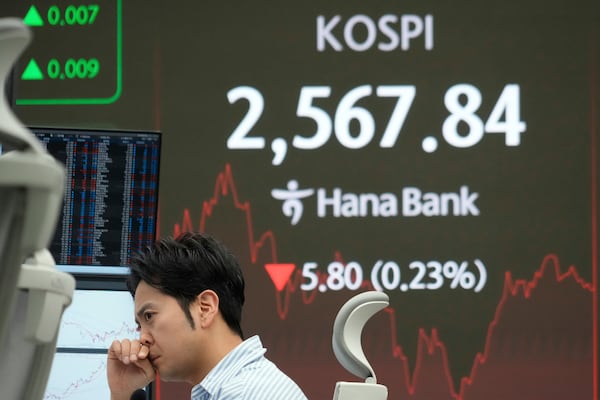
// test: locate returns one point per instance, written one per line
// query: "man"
(188, 295)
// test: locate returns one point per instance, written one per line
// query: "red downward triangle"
(280, 274)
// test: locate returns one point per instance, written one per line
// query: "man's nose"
(145, 337)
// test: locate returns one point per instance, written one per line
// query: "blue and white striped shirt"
(245, 374)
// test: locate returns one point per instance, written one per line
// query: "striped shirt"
(245, 374)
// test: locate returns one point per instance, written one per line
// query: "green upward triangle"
(33, 17)
(32, 72)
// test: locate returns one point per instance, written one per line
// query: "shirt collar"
(243, 354)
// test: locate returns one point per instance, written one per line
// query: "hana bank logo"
(412, 202)
(292, 205)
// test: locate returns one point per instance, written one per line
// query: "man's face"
(174, 345)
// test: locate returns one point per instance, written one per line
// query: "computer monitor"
(111, 196)
(101, 311)
(109, 212)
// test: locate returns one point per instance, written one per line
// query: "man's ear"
(208, 307)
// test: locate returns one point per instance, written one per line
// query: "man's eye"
(147, 316)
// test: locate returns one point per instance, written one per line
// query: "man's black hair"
(185, 266)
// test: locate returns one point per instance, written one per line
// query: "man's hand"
(128, 368)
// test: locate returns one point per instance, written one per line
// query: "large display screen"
(445, 153)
